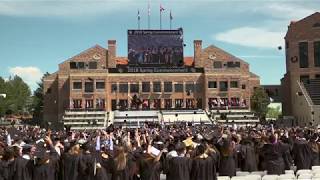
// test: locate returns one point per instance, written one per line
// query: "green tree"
(18, 93)
(259, 102)
(273, 113)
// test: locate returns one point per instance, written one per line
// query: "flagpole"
(170, 20)
(138, 19)
(149, 14)
(160, 18)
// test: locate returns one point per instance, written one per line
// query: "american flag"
(161, 8)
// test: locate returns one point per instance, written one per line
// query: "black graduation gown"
(248, 158)
(302, 154)
(273, 158)
(69, 166)
(178, 168)
(47, 170)
(227, 165)
(148, 168)
(20, 169)
(203, 168)
(86, 166)
(4, 170)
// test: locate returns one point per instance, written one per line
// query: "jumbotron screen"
(149, 48)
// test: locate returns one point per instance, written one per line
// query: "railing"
(305, 93)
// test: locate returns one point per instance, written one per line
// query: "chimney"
(197, 51)
(112, 48)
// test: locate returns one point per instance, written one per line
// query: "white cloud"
(252, 37)
(31, 75)
(288, 11)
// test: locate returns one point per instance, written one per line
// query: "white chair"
(242, 173)
(238, 178)
(289, 172)
(287, 177)
(261, 173)
(223, 178)
(270, 177)
(315, 168)
(304, 176)
(304, 171)
(253, 177)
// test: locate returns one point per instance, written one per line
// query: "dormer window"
(316, 24)
(217, 64)
(233, 64)
(92, 65)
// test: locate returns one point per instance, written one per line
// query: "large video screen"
(149, 48)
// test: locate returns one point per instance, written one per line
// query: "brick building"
(96, 80)
(301, 83)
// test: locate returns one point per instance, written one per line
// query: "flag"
(138, 15)
(171, 15)
(161, 8)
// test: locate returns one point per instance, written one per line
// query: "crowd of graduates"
(181, 152)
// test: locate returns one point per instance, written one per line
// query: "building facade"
(99, 80)
(300, 85)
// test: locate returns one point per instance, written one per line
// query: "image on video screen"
(155, 47)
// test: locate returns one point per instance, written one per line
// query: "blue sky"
(37, 35)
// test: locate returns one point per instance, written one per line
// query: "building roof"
(221, 54)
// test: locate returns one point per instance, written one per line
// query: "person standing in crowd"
(179, 167)
(227, 161)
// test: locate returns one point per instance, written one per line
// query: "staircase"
(313, 88)
(244, 116)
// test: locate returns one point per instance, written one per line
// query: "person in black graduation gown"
(70, 162)
(45, 165)
(227, 166)
(21, 167)
(149, 165)
(203, 166)
(273, 153)
(301, 152)
(102, 167)
(248, 156)
(120, 165)
(6, 160)
(179, 168)
(87, 161)
(315, 150)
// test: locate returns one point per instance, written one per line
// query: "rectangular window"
(217, 64)
(88, 87)
(317, 76)
(316, 46)
(77, 103)
(156, 86)
(212, 84)
(157, 103)
(134, 88)
(145, 86)
(93, 65)
(89, 103)
(233, 64)
(100, 103)
(178, 87)
(303, 54)
(223, 85)
(190, 103)
(234, 84)
(190, 87)
(178, 103)
(80, 65)
(167, 103)
(167, 86)
(114, 87)
(243, 86)
(123, 88)
(77, 85)
(199, 103)
(73, 65)
(100, 85)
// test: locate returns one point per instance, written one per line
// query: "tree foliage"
(273, 112)
(37, 102)
(260, 102)
(17, 99)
